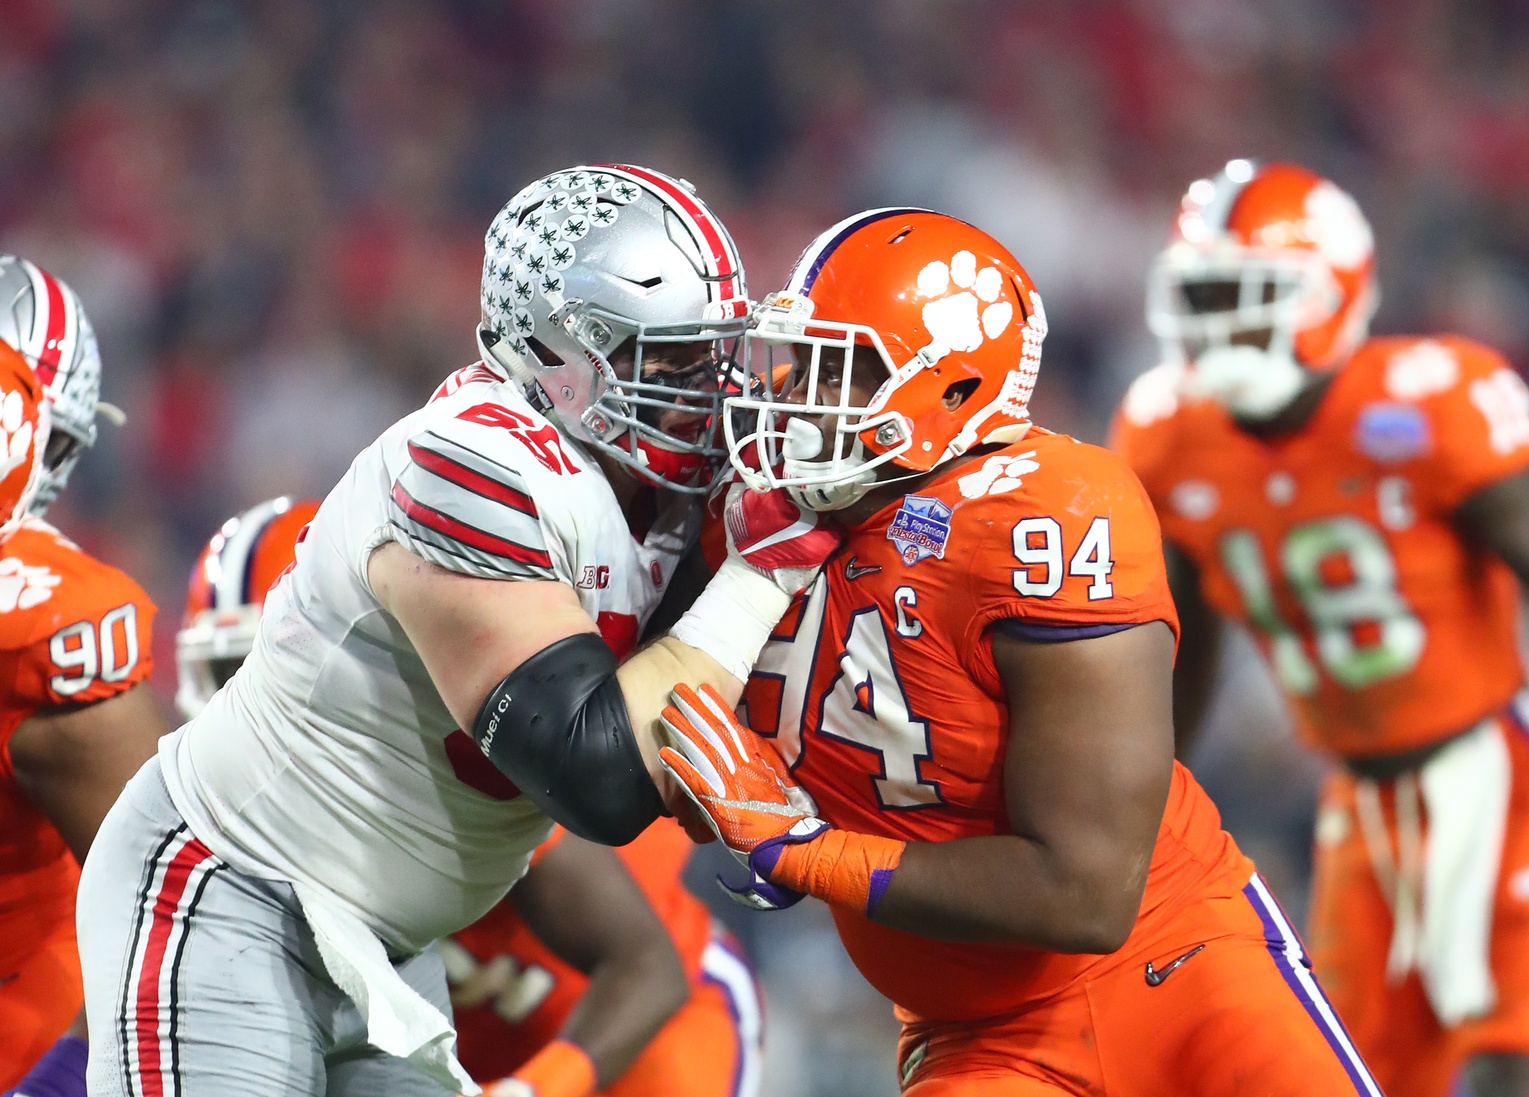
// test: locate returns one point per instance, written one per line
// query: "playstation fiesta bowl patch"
(1392, 432)
(920, 528)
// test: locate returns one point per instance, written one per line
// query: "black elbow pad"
(557, 726)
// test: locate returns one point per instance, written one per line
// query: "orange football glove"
(742, 785)
(769, 822)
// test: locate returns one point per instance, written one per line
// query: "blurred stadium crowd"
(274, 212)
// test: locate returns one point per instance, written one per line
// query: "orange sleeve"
(1074, 552)
(89, 641)
(1480, 426)
(1141, 431)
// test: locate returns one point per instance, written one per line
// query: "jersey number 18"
(1342, 572)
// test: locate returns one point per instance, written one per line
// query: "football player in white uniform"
(436, 680)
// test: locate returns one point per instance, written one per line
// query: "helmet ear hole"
(543, 353)
(958, 392)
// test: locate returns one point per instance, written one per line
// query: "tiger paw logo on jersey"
(23, 586)
(1420, 370)
(998, 475)
(920, 528)
(963, 320)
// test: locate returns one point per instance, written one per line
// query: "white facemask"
(802, 443)
(1251, 383)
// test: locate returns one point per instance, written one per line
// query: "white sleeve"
(462, 510)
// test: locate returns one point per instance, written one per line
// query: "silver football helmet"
(43, 319)
(616, 297)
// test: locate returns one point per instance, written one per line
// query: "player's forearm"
(996, 889)
(72, 763)
(1008, 888)
(630, 997)
(646, 679)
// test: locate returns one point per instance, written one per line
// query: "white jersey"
(330, 760)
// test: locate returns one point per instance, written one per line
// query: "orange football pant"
(38, 1002)
(1351, 926)
(711, 1047)
(1241, 1016)
(696, 1054)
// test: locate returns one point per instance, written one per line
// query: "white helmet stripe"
(805, 272)
(235, 558)
(1218, 211)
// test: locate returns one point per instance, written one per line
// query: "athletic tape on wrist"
(733, 617)
(842, 868)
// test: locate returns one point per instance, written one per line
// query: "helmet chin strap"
(1251, 383)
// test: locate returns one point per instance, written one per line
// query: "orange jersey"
(497, 1038)
(1337, 543)
(72, 631)
(880, 690)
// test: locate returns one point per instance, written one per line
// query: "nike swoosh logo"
(853, 572)
(1155, 978)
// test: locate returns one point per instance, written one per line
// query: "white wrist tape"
(733, 617)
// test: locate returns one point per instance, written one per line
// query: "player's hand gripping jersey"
(329, 759)
(1338, 543)
(880, 690)
(512, 995)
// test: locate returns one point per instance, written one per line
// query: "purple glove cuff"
(59, 1073)
(760, 892)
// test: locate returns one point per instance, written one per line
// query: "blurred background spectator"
(274, 213)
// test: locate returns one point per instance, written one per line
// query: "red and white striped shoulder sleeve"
(466, 511)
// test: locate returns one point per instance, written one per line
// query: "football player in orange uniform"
(976, 693)
(1363, 506)
(74, 722)
(517, 979)
(518, 973)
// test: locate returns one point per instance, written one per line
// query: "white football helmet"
(43, 319)
(587, 274)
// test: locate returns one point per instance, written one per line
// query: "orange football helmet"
(914, 301)
(229, 584)
(23, 437)
(1263, 248)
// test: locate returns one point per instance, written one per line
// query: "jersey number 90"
(85, 652)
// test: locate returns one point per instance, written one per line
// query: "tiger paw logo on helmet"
(23, 586)
(15, 434)
(962, 320)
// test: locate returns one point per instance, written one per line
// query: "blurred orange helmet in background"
(1264, 248)
(228, 588)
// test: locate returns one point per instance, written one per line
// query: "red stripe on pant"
(148, 1010)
